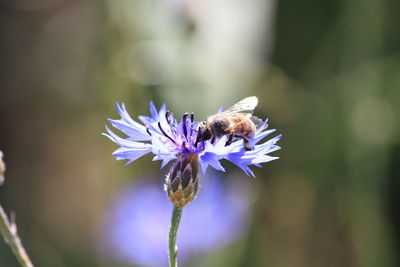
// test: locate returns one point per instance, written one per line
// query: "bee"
(236, 122)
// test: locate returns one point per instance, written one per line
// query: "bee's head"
(218, 126)
(203, 131)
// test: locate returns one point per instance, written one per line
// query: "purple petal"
(127, 125)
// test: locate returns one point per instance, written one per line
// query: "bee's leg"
(247, 144)
(229, 141)
(213, 140)
(199, 133)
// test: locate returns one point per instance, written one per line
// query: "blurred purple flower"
(165, 137)
(136, 227)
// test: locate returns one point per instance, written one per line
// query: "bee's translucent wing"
(245, 106)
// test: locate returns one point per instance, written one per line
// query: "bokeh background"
(327, 74)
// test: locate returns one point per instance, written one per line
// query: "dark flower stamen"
(184, 125)
(191, 123)
(147, 128)
(165, 134)
(184, 146)
(167, 117)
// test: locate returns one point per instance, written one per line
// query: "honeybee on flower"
(235, 122)
(233, 135)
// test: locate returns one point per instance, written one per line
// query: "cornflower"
(182, 141)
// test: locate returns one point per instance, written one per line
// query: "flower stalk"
(173, 231)
(181, 186)
(8, 229)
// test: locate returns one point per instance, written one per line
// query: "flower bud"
(182, 182)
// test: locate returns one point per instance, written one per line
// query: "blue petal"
(261, 135)
(127, 125)
(211, 159)
(243, 159)
(203, 166)
(153, 111)
(155, 115)
(219, 147)
(123, 142)
(161, 144)
(263, 126)
(152, 122)
(135, 132)
(263, 159)
(131, 154)
(247, 170)
(165, 159)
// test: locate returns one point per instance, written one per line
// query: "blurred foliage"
(326, 73)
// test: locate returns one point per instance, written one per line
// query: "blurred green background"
(327, 74)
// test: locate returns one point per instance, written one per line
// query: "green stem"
(9, 232)
(173, 230)
(8, 229)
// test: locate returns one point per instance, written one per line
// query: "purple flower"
(168, 139)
